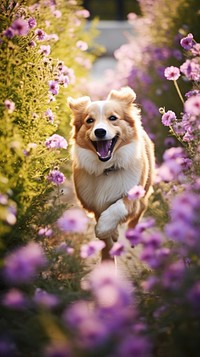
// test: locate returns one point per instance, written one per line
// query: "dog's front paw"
(106, 226)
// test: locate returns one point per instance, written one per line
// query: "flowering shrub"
(41, 63)
(34, 85)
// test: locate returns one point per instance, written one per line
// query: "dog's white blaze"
(101, 123)
(101, 104)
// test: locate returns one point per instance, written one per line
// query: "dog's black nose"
(100, 133)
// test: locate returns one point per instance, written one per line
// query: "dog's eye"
(112, 118)
(89, 120)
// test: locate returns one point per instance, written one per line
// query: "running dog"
(112, 153)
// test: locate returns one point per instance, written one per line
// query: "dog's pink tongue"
(103, 147)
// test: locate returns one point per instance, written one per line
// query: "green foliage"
(25, 73)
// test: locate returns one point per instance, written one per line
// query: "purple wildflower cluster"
(22, 265)
(184, 226)
(94, 324)
(56, 177)
(175, 165)
(56, 142)
(187, 127)
(73, 220)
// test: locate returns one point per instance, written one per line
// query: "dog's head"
(103, 126)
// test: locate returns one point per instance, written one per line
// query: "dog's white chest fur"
(99, 186)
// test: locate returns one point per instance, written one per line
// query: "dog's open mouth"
(104, 148)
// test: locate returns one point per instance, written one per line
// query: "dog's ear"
(125, 94)
(78, 105)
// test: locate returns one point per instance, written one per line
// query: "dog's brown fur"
(111, 154)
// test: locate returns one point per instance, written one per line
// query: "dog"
(111, 154)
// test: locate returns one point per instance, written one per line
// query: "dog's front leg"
(109, 219)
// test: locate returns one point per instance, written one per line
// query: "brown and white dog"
(111, 154)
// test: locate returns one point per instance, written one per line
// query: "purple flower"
(192, 105)
(9, 32)
(56, 177)
(10, 213)
(41, 35)
(173, 153)
(133, 236)
(136, 192)
(41, 297)
(69, 73)
(153, 240)
(191, 69)
(63, 80)
(178, 128)
(169, 141)
(3, 199)
(172, 73)
(188, 137)
(148, 256)
(45, 50)
(20, 27)
(50, 116)
(14, 299)
(32, 43)
(65, 248)
(52, 37)
(77, 314)
(184, 206)
(173, 275)
(54, 87)
(46, 231)
(134, 346)
(91, 330)
(168, 118)
(177, 54)
(83, 13)
(21, 265)
(73, 220)
(194, 295)
(56, 142)
(90, 249)
(32, 22)
(112, 291)
(168, 171)
(9, 105)
(82, 45)
(57, 13)
(181, 231)
(161, 53)
(196, 49)
(187, 42)
(117, 249)
(150, 283)
(150, 108)
(7, 347)
(192, 93)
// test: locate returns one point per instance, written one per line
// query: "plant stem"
(178, 91)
